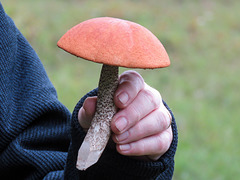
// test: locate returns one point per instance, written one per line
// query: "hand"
(141, 127)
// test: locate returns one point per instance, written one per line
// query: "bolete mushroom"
(112, 42)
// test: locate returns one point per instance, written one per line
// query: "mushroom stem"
(99, 132)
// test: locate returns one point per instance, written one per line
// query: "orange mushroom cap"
(115, 42)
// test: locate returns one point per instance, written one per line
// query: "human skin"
(141, 127)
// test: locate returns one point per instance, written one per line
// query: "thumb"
(86, 112)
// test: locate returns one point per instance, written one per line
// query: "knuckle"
(161, 121)
(151, 97)
(134, 111)
(138, 148)
(142, 148)
(165, 120)
(160, 144)
(164, 142)
(164, 116)
(169, 135)
(139, 130)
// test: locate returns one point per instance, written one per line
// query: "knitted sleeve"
(34, 136)
(111, 164)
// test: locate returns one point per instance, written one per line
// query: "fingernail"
(123, 97)
(122, 136)
(121, 123)
(124, 147)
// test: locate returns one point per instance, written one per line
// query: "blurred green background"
(201, 86)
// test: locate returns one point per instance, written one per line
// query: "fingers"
(141, 127)
(143, 103)
(152, 124)
(130, 83)
(151, 136)
(86, 112)
(154, 146)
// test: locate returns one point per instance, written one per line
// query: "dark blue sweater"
(39, 138)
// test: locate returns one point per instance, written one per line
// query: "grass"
(201, 86)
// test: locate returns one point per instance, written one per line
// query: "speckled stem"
(98, 134)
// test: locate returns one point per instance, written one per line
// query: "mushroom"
(112, 42)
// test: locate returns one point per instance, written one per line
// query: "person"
(40, 138)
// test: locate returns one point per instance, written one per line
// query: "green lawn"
(201, 86)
